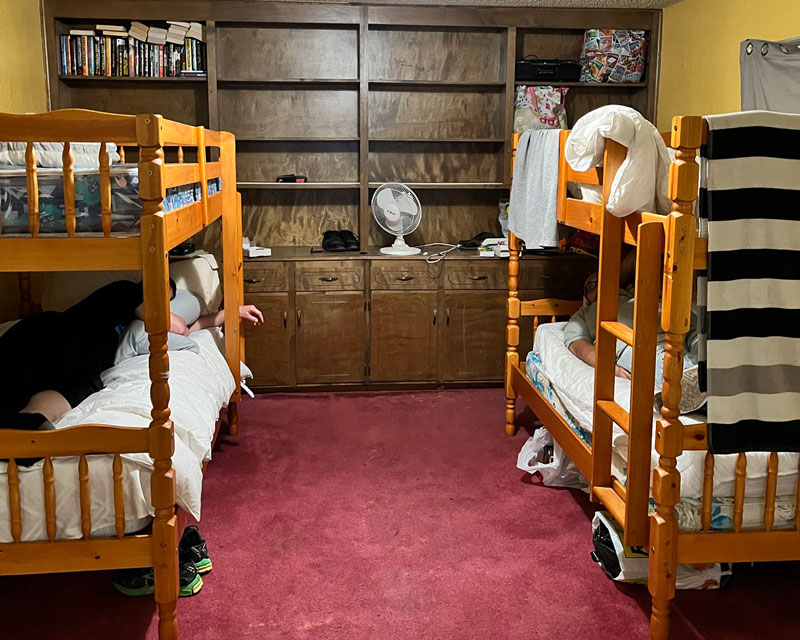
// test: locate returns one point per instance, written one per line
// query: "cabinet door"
(268, 346)
(403, 335)
(330, 341)
(473, 334)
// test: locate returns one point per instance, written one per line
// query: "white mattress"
(200, 385)
(574, 383)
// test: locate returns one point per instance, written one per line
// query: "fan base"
(401, 251)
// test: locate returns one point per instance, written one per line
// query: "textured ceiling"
(584, 4)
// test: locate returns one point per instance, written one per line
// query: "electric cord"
(439, 255)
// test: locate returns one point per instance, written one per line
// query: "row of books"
(141, 51)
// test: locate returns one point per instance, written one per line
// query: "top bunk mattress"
(571, 382)
(126, 207)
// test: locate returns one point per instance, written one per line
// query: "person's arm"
(248, 312)
(585, 351)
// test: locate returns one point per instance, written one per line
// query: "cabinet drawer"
(404, 274)
(493, 274)
(560, 277)
(329, 276)
(266, 276)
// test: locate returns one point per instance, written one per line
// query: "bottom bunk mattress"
(200, 385)
(126, 207)
(567, 384)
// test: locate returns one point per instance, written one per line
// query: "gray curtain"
(770, 74)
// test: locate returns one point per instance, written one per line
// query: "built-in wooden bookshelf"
(354, 96)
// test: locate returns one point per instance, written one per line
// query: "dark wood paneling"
(563, 44)
(185, 102)
(450, 216)
(268, 52)
(330, 337)
(436, 55)
(289, 112)
(268, 345)
(319, 161)
(403, 335)
(296, 218)
(582, 100)
(435, 162)
(473, 332)
(435, 113)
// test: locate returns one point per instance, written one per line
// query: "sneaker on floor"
(141, 582)
(691, 396)
(192, 548)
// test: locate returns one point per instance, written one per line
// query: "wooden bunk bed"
(146, 251)
(669, 252)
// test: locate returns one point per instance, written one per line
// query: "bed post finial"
(512, 332)
(687, 136)
(155, 281)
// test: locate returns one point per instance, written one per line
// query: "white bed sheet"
(200, 385)
(574, 383)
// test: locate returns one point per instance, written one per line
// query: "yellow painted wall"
(22, 89)
(700, 51)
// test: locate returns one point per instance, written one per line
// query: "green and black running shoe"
(192, 548)
(140, 582)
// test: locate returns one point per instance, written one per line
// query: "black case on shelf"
(556, 70)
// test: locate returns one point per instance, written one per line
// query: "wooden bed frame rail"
(668, 255)
(148, 252)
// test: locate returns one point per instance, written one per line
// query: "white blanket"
(641, 182)
(574, 383)
(200, 385)
(534, 191)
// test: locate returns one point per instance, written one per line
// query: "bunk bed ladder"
(628, 502)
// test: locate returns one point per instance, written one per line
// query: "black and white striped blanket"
(750, 212)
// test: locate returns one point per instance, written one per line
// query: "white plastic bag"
(541, 453)
(630, 564)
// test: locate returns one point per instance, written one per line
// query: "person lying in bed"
(580, 337)
(53, 360)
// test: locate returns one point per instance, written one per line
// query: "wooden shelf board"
(129, 79)
(447, 185)
(297, 185)
(582, 85)
(439, 83)
(495, 140)
(295, 139)
(269, 81)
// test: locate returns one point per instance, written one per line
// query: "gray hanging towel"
(534, 191)
(750, 331)
(770, 74)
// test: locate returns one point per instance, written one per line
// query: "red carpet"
(393, 516)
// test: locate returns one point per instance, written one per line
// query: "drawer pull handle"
(435, 313)
(253, 280)
(404, 278)
(298, 317)
(447, 314)
(285, 319)
(478, 277)
(328, 278)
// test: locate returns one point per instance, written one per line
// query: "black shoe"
(141, 582)
(332, 241)
(350, 240)
(192, 548)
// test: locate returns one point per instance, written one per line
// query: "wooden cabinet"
(403, 336)
(268, 346)
(361, 320)
(330, 344)
(473, 335)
